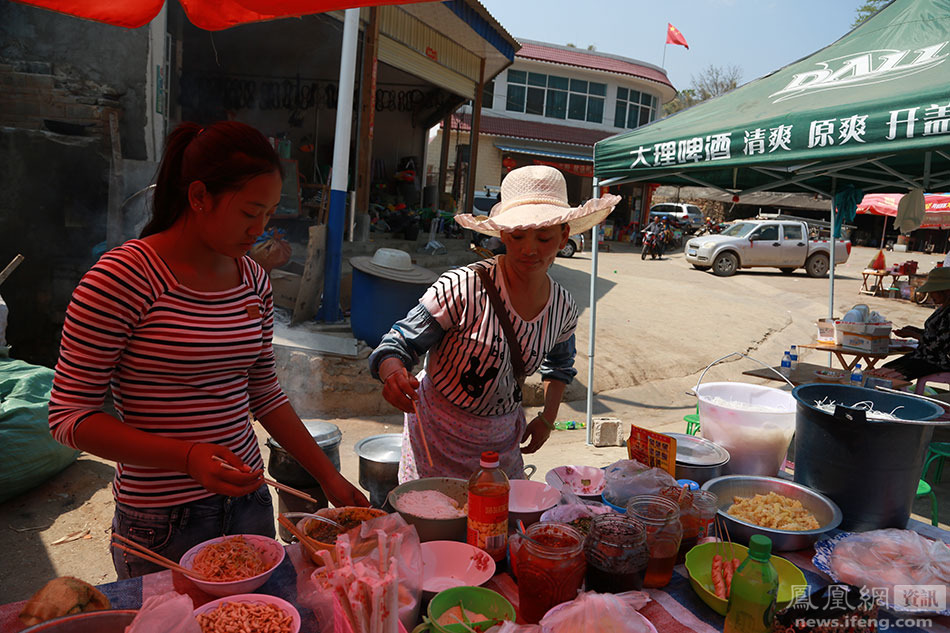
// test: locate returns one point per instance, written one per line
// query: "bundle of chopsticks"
(131, 547)
(368, 594)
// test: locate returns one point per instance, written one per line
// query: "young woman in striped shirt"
(178, 324)
(469, 399)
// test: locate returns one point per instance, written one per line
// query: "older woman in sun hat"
(932, 355)
(468, 400)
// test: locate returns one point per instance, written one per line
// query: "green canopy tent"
(871, 110)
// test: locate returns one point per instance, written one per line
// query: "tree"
(866, 10)
(711, 82)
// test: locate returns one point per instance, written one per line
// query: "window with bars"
(634, 108)
(555, 97)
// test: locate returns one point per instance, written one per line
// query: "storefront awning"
(535, 150)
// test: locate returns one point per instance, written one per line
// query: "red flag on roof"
(673, 36)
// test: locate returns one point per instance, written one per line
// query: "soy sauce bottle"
(488, 490)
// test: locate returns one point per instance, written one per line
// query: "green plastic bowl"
(478, 599)
(699, 566)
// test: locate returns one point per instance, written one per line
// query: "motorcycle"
(651, 246)
(711, 228)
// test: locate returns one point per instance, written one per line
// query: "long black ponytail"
(223, 156)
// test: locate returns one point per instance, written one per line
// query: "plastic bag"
(363, 543)
(884, 558)
(511, 627)
(878, 262)
(593, 612)
(271, 250)
(628, 477)
(168, 613)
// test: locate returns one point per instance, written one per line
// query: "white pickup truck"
(781, 244)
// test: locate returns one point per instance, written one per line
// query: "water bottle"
(786, 367)
(857, 376)
(754, 591)
(794, 355)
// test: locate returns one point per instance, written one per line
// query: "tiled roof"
(533, 130)
(587, 59)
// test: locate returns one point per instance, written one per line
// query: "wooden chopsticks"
(146, 554)
(305, 540)
(271, 482)
(422, 433)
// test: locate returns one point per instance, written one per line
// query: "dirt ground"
(659, 323)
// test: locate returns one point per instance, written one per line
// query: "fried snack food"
(62, 596)
(259, 617)
(774, 511)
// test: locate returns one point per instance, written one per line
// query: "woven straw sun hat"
(395, 265)
(938, 279)
(534, 197)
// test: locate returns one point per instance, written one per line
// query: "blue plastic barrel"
(377, 303)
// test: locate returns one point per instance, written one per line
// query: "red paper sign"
(653, 449)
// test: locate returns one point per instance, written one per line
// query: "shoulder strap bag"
(514, 348)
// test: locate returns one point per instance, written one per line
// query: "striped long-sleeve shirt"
(180, 363)
(470, 363)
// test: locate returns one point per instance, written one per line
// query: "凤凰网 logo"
(865, 68)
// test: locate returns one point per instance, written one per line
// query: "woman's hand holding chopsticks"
(220, 471)
(399, 386)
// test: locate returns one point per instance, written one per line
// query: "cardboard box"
(846, 329)
(286, 285)
(866, 343)
(826, 330)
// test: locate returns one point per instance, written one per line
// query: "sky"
(758, 36)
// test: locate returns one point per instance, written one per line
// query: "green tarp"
(872, 108)
(28, 453)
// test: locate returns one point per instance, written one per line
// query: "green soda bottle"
(754, 589)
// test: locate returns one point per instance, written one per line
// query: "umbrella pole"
(593, 324)
(883, 232)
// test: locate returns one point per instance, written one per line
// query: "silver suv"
(684, 214)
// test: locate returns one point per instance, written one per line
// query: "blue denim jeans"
(173, 531)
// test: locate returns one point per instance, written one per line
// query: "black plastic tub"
(869, 468)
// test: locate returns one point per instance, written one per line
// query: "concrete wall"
(80, 71)
(53, 212)
(281, 77)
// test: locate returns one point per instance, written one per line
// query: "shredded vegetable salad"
(231, 559)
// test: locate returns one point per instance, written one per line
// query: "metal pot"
(284, 468)
(698, 459)
(379, 465)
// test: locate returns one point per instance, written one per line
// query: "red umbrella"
(211, 15)
(936, 208)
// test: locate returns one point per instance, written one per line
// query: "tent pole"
(595, 234)
(831, 259)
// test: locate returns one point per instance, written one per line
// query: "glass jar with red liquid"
(697, 511)
(550, 571)
(661, 518)
(616, 552)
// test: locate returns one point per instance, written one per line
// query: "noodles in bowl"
(233, 564)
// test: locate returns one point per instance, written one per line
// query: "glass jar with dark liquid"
(616, 552)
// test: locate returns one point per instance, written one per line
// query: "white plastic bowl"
(584, 481)
(447, 564)
(271, 550)
(528, 500)
(259, 598)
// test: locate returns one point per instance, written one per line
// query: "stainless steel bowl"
(111, 621)
(435, 529)
(726, 488)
